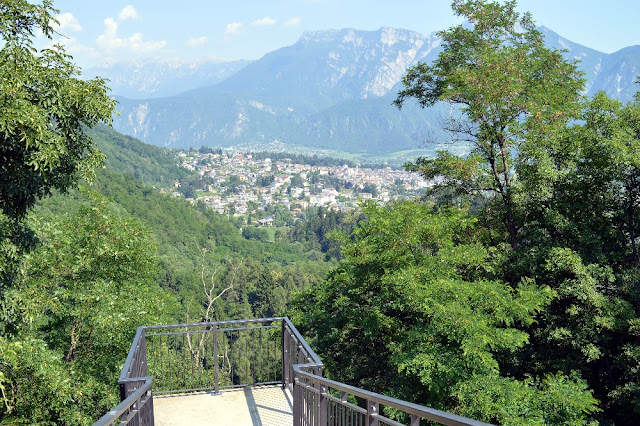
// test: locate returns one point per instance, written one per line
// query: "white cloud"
(267, 21)
(196, 41)
(128, 12)
(293, 22)
(66, 21)
(233, 28)
(110, 41)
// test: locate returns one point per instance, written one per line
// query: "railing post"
(286, 344)
(322, 406)
(216, 363)
(297, 403)
(123, 391)
(148, 418)
(144, 369)
(372, 408)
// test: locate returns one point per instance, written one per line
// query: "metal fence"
(318, 401)
(201, 357)
(136, 408)
(213, 356)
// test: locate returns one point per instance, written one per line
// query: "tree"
(512, 91)
(580, 238)
(370, 188)
(81, 295)
(44, 109)
(414, 311)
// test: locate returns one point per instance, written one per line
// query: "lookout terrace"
(246, 372)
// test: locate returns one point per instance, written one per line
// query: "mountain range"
(161, 77)
(331, 90)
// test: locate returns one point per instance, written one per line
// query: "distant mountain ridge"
(333, 89)
(614, 73)
(163, 77)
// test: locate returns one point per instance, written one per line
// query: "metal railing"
(211, 356)
(136, 409)
(320, 401)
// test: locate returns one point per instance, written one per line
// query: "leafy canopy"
(413, 310)
(44, 107)
(511, 91)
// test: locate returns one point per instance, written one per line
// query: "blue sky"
(247, 29)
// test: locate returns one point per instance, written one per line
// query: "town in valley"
(273, 189)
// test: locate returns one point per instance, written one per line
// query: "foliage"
(316, 229)
(147, 163)
(413, 310)
(555, 399)
(580, 237)
(81, 296)
(45, 106)
(512, 91)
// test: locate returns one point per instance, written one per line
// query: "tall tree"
(511, 91)
(580, 238)
(413, 311)
(44, 107)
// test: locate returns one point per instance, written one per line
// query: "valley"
(267, 192)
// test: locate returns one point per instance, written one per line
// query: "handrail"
(113, 415)
(126, 368)
(303, 342)
(408, 407)
(213, 323)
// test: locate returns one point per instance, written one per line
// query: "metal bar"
(184, 359)
(306, 346)
(372, 410)
(346, 404)
(126, 369)
(203, 357)
(169, 372)
(285, 355)
(162, 366)
(172, 333)
(248, 363)
(322, 406)
(193, 364)
(216, 374)
(153, 356)
(415, 420)
(387, 421)
(209, 388)
(210, 324)
(144, 372)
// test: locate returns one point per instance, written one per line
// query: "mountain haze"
(333, 89)
(163, 77)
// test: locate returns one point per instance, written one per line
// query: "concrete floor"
(256, 406)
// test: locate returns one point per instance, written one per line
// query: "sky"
(99, 31)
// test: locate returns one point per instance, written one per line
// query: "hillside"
(182, 231)
(128, 155)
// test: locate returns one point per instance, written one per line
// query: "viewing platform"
(259, 405)
(246, 372)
